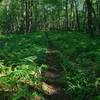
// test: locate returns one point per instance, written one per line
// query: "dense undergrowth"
(22, 61)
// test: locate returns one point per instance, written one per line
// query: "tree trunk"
(77, 17)
(89, 17)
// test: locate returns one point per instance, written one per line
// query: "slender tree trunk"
(77, 17)
(98, 14)
(89, 17)
(30, 15)
(66, 15)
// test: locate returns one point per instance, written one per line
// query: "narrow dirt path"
(51, 86)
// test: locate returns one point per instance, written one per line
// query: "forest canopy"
(67, 15)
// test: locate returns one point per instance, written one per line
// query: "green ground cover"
(23, 57)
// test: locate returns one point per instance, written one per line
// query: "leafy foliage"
(22, 61)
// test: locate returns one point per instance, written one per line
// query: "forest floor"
(62, 62)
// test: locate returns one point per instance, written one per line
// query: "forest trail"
(51, 86)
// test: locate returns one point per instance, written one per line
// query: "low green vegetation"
(22, 62)
(49, 49)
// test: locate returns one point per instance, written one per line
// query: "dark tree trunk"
(89, 17)
(77, 17)
(66, 15)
